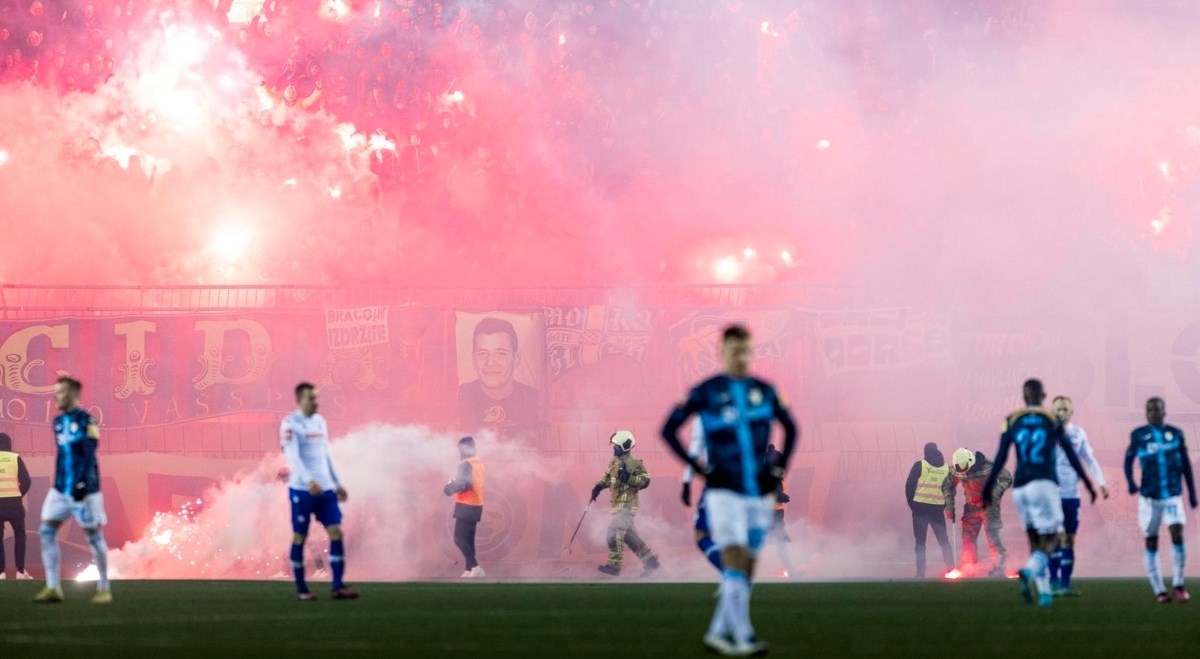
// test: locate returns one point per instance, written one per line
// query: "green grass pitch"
(619, 620)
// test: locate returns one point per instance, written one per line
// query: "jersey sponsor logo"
(74, 427)
(729, 414)
(755, 396)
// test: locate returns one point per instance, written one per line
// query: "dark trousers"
(930, 517)
(466, 518)
(12, 512)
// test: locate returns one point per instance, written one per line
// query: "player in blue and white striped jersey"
(1062, 561)
(1037, 435)
(1162, 453)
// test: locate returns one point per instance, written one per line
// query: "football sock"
(1156, 581)
(298, 568)
(1056, 558)
(1180, 556)
(50, 555)
(100, 557)
(737, 588)
(336, 562)
(1036, 563)
(1068, 566)
(709, 548)
(1042, 572)
(722, 620)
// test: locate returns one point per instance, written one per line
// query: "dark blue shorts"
(1070, 515)
(304, 506)
(701, 515)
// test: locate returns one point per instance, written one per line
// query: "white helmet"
(623, 439)
(964, 459)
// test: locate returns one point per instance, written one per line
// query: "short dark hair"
(492, 325)
(5, 442)
(303, 387)
(736, 332)
(467, 441)
(1156, 399)
(72, 384)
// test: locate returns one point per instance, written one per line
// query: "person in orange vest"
(14, 485)
(467, 490)
(926, 500)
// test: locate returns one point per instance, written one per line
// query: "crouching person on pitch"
(972, 469)
(624, 478)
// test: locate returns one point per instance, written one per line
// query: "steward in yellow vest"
(14, 485)
(923, 493)
(467, 490)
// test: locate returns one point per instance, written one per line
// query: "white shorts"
(1153, 513)
(1039, 503)
(738, 520)
(88, 513)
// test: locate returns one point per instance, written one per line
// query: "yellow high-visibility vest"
(10, 487)
(929, 485)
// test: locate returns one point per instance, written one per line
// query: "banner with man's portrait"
(501, 365)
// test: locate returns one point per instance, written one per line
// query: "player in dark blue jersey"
(736, 412)
(76, 492)
(1162, 453)
(1036, 433)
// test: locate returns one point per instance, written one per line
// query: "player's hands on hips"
(79, 492)
(686, 495)
(1104, 492)
(342, 495)
(313, 488)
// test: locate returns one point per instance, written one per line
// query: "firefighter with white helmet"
(624, 478)
(971, 469)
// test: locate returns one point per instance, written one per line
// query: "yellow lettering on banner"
(17, 365)
(212, 360)
(134, 379)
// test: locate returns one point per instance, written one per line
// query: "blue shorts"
(304, 506)
(701, 515)
(1070, 515)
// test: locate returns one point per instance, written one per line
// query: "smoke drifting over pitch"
(1030, 166)
(920, 144)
